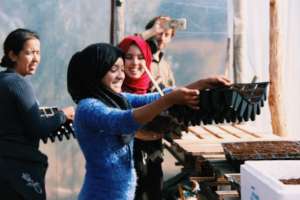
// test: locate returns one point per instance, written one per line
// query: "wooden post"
(117, 26)
(238, 40)
(275, 70)
(228, 59)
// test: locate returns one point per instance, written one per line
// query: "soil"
(262, 150)
(292, 181)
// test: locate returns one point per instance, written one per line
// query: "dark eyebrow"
(120, 66)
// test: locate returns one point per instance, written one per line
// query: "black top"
(20, 121)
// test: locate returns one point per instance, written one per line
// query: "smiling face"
(114, 78)
(27, 60)
(134, 62)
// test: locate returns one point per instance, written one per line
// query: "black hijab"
(87, 68)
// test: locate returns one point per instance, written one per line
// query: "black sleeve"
(35, 125)
(164, 124)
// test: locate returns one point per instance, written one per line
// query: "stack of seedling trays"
(238, 152)
(66, 130)
(235, 103)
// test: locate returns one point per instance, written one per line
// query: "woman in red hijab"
(137, 56)
(147, 144)
(148, 141)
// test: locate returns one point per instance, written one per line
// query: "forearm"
(137, 100)
(148, 135)
(147, 34)
(29, 111)
(181, 96)
(199, 85)
(146, 113)
(42, 126)
(210, 82)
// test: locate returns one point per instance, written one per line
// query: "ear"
(12, 56)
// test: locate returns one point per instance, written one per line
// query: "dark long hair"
(14, 42)
(85, 72)
(87, 68)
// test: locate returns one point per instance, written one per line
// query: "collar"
(157, 57)
(10, 70)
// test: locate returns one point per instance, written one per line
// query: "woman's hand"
(210, 82)
(156, 29)
(159, 25)
(148, 135)
(216, 81)
(185, 96)
(69, 112)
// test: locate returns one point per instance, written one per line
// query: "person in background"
(149, 147)
(138, 56)
(158, 37)
(22, 165)
(106, 119)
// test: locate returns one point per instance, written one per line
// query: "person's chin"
(161, 47)
(135, 77)
(117, 90)
(32, 70)
(29, 73)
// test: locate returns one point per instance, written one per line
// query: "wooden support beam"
(212, 133)
(117, 26)
(275, 70)
(179, 156)
(229, 132)
(246, 131)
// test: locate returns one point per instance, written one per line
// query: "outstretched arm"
(183, 95)
(26, 104)
(187, 95)
(209, 82)
(96, 115)
(156, 29)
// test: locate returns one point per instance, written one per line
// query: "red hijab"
(141, 85)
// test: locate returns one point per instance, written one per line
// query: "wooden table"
(201, 148)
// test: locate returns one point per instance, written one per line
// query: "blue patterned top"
(110, 172)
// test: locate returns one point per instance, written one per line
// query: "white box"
(260, 180)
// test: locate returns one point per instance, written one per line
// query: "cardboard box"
(260, 180)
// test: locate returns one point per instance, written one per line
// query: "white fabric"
(257, 59)
(291, 63)
(257, 54)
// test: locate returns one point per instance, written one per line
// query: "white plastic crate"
(260, 180)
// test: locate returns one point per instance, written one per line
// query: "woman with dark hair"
(22, 165)
(106, 119)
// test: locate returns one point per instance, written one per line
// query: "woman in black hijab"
(106, 118)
